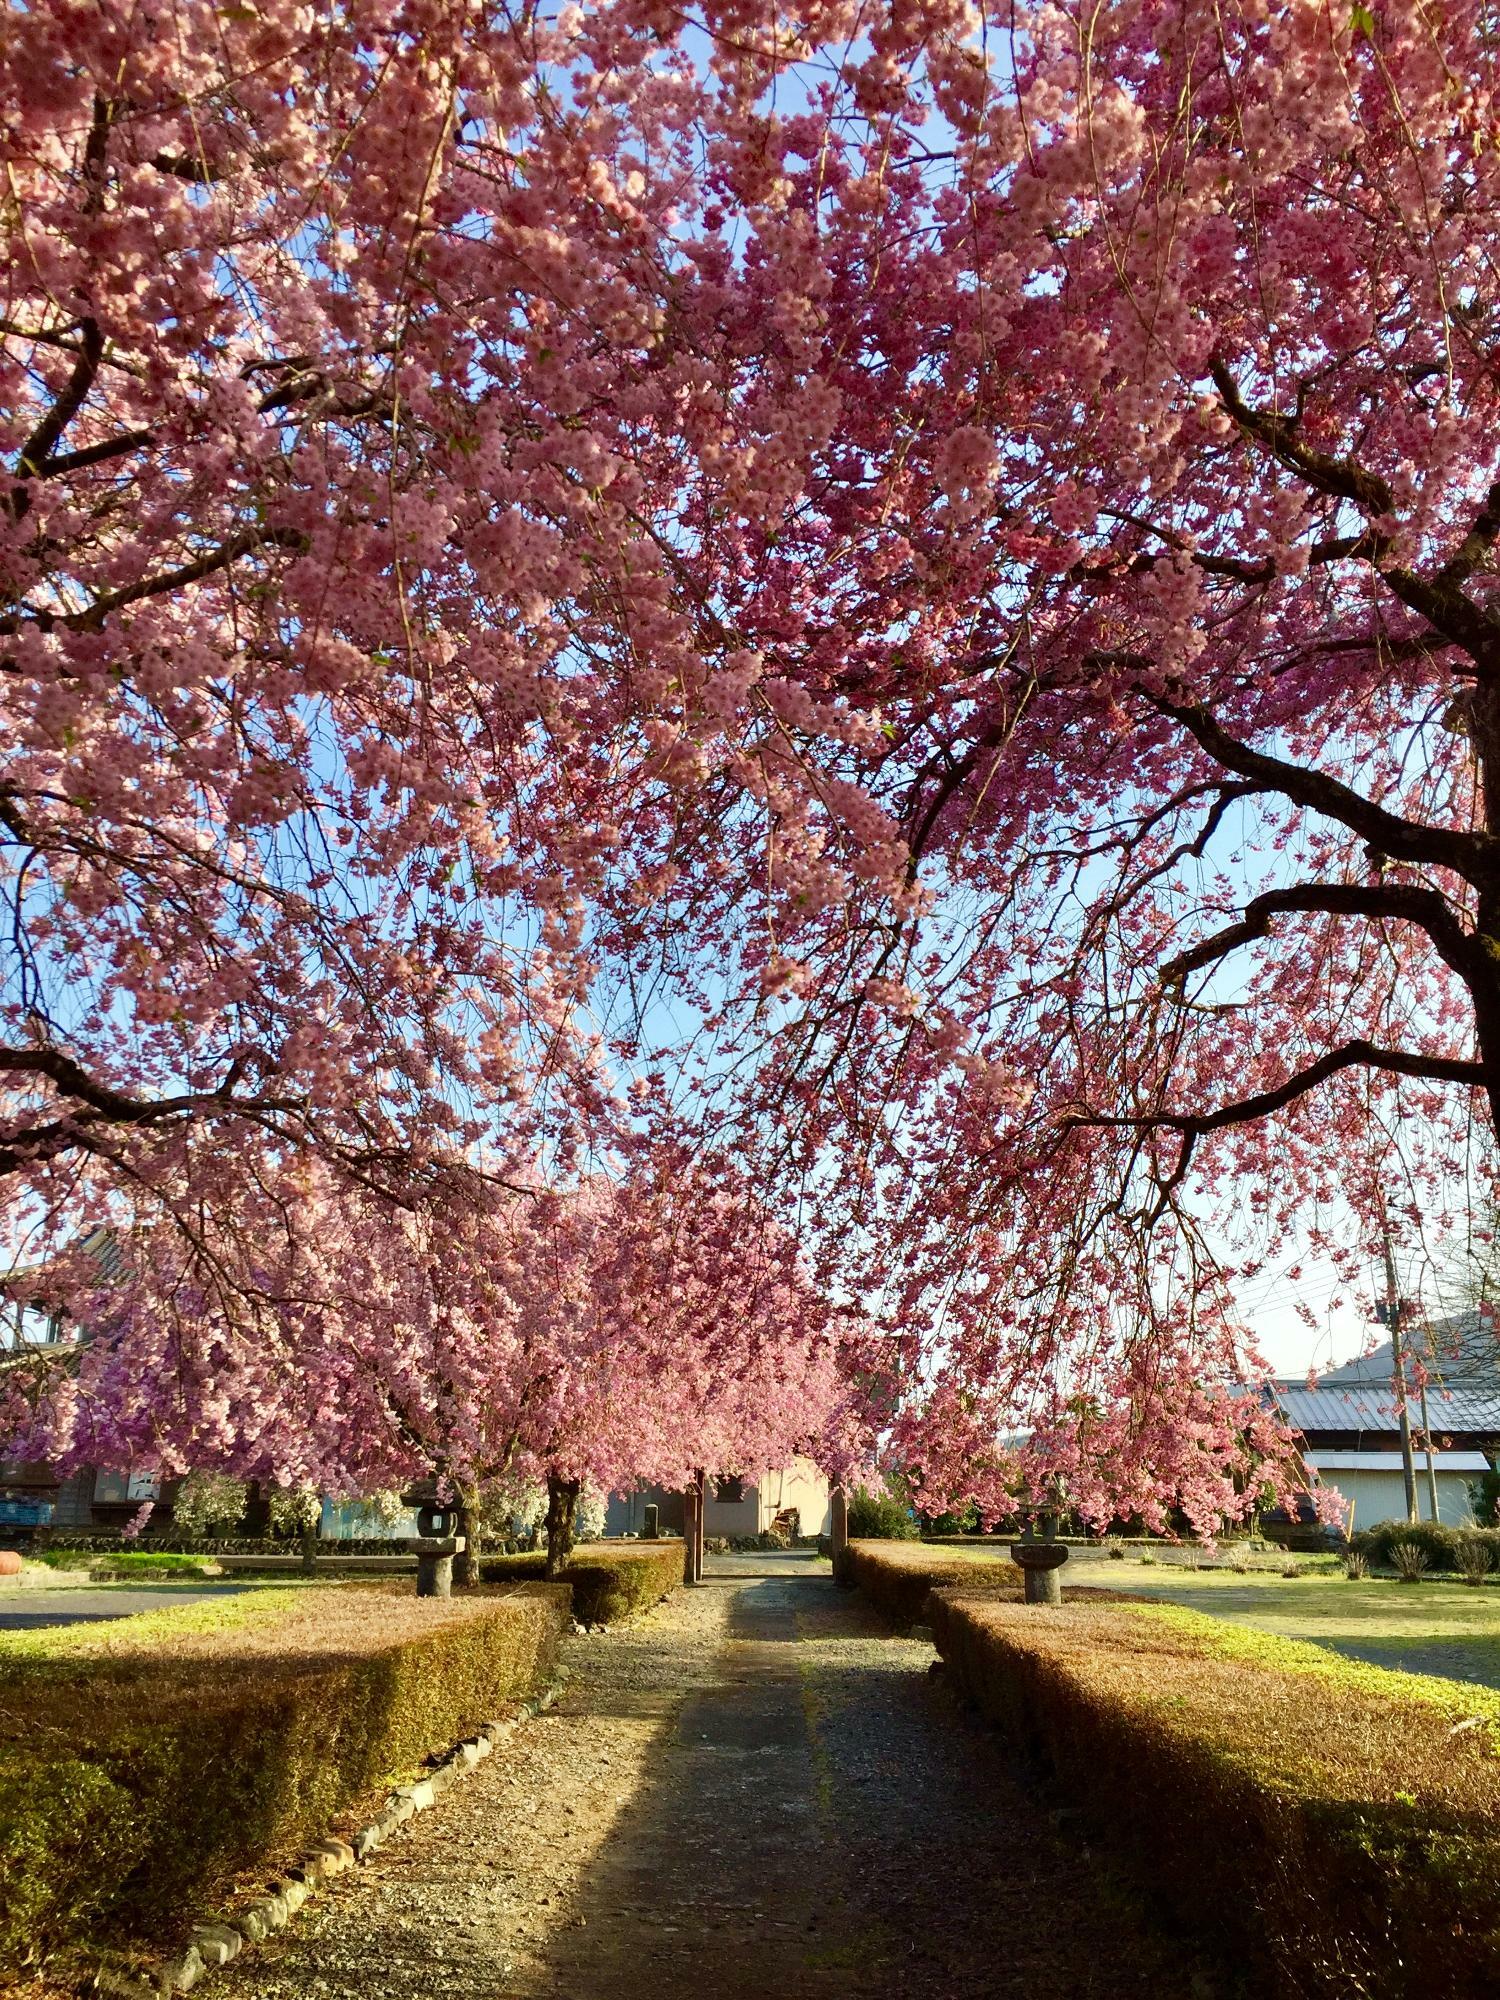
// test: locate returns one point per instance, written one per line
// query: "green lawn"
(141, 1563)
(1443, 1628)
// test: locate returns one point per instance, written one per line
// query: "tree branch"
(1474, 856)
(157, 586)
(1377, 900)
(1357, 1054)
(104, 1105)
(1278, 434)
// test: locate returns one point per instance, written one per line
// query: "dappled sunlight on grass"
(1324, 1605)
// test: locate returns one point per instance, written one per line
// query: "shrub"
(1327, 1824)
(123, 1568)
(964, 1522)
(1409, 1560)
(607, 1583)
(1484, 1498)
(1356, 1565)
(125, 1563)
(143, 1764)
(1440, 1542)
(900, 1579)
(208, 1503)
(295, 1510)
(880, 1517)
(1474, 1560)
(98, 1542)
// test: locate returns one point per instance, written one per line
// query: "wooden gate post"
(689, 1532)
(838, 1523)
(838, 1506)
(698, 1513)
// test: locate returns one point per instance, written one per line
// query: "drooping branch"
(1376, 900)
(1341, 478)
(1358, 1053)
(1440, 599)
(1474, 856)
(208, 564)
(101, 1104)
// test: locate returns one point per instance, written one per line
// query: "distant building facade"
(734, 1509)
(1351, 1430)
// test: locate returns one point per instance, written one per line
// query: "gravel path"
(754, 1790)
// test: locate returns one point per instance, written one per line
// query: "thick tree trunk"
(1484, 977)
(562, 1499)
(466, 1562)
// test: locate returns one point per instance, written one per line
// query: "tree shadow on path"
(822, 1820)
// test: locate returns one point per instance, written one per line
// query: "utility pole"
(1392, 1317)
(1432, 1499)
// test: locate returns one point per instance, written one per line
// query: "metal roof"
(102, 1246)
(1392, 1461)
(1373, 1408)
(1462, 1350)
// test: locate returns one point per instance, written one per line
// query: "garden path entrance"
(755, 1791)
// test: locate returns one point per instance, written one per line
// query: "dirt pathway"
(757, 1790)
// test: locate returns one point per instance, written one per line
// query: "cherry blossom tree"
(601, 1336)
(961, 537)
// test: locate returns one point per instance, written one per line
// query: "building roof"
(30, 1284)
(1373, 1408)
(1392, 1461)
(1462, 1351)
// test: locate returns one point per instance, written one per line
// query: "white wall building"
(1374, 1485)
(1351, 1425)
(733, 1508)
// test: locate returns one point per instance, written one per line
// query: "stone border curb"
(215, 1944)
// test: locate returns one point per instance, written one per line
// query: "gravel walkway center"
(754, 1790)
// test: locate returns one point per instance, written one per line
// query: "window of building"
(118, 1488)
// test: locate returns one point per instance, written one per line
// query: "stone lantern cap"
(1039, 1555)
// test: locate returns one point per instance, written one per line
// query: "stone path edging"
(215, 1944)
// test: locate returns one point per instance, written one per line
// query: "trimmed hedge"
(105, 1542)
(899, 1577)
(608, 1582)
(143, 1763)
(1332, 1827)
(1438, 1542)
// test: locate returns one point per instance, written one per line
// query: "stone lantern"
(1040, 1561)
(437, 1545)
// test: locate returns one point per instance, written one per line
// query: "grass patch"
(1441, 1625)
(144, 1564)
(1332, 1825)
(609, 1581)
(1455, 1699)
(145, 1761)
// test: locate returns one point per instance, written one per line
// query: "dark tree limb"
(1278, 434)
(1376, 900)
(1356, 1054)
(1474, 856)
